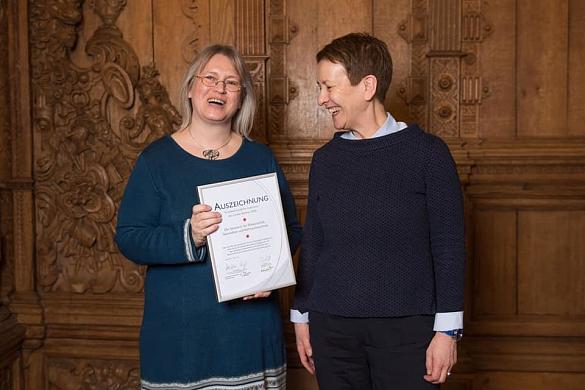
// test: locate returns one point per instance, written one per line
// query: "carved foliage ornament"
(192, 43)
(65, 374)
(88, 131)
(257, 68)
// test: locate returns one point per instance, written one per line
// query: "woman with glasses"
(188, 340)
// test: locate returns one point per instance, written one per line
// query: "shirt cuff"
(448, 321)
(299, 318)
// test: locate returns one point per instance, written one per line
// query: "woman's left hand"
(261, 294)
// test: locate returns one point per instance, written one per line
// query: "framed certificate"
(250, 250)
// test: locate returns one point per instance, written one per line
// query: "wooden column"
(11, 333)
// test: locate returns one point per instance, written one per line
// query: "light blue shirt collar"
(390, 126)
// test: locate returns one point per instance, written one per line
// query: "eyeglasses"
(231, 85)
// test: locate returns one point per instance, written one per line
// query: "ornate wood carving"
(414, 90)
(69, 374)
(84, 155)
(444, 96)
(280, 90)
(473, 88)
(192, 43)
(155, 117)
(456, 31)
(257, 67)
(444, 56)
(16, 191)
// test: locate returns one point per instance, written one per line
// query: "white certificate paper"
(250, 250)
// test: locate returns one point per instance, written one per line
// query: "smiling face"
(346, 103)
(215, 104)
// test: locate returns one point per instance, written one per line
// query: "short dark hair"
(361, 54)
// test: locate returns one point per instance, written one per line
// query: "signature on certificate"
(235, 270)
(265, 264)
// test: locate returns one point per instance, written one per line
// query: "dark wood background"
(85, 85)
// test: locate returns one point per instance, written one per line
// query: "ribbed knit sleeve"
(139, 233)
(446, 222)
(310, 245)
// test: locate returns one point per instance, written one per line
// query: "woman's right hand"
(203, 223)
(304, 346)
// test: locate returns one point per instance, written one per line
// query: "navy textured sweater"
(384, 232)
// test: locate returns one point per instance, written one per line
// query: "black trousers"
(371, 353)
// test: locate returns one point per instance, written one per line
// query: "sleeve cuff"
(194, 254)
(299, 318)
(448, 321)
(443, 321)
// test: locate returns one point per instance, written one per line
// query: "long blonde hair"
(243, 120)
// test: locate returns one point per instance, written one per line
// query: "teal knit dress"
(188, 340)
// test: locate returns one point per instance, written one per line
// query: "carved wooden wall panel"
(495, 265)
(500, 80)
(576, 92)
(83, 155)
(497, 115)
(536, 84)
(314, 24)
(486, 76)
(11, 333)
(551, 243)
(541, 72)
(11, 337)
(6, 276)
(513, 380)
(525, 311)
(104, 76)
(386, 17)
(65, 374)
(536, 238)
(278, 38)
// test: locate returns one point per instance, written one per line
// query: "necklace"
(210, 153)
